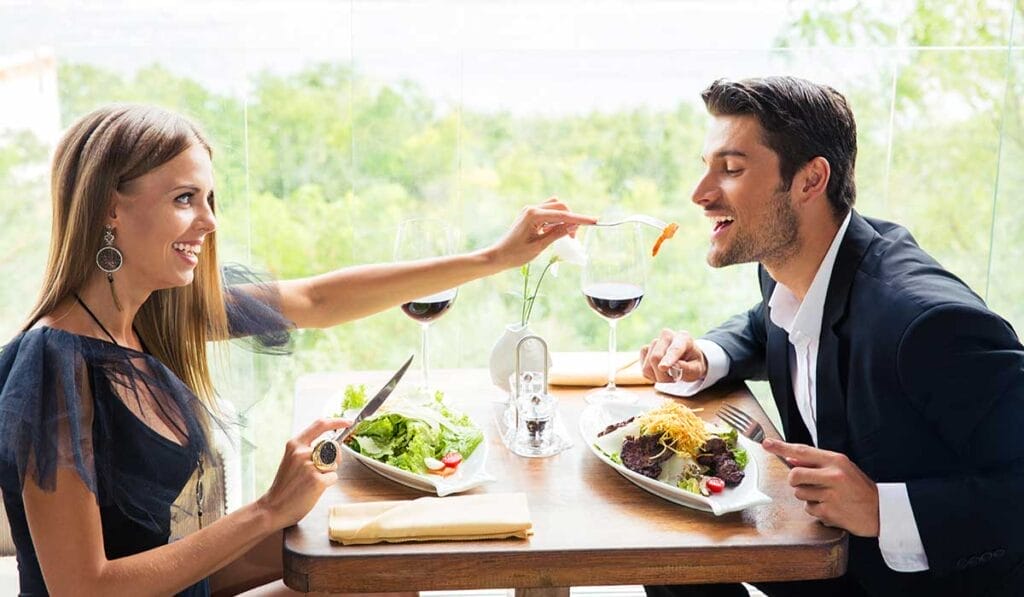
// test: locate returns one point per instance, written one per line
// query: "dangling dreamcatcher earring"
(109, 259)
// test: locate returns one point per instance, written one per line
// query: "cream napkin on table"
(457, 518)
(591, 369)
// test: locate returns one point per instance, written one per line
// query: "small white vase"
(503, 355)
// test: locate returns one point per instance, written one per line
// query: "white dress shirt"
(898, 539)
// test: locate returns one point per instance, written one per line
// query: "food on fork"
(666, 233)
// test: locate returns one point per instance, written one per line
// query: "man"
(901, 395)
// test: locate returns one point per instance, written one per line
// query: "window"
(334, 121)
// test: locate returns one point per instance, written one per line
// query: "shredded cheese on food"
(682, 431)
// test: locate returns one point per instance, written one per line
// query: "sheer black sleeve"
(254, 311)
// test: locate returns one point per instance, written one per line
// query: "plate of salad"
(665, 448)
(418, 442)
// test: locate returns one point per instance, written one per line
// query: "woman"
(105, 397)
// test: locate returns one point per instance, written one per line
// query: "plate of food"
(420, 443)
(665, 448)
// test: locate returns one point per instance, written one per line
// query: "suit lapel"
(830, 394)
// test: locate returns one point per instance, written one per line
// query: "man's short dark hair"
(801, 120)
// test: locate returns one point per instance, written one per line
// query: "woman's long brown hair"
(98, 155)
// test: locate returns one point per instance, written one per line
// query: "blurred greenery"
(315, 169)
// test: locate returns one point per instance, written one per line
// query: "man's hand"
(837, 492)
(673, 356)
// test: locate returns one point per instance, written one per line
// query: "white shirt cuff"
(898, 537)
(718, 367)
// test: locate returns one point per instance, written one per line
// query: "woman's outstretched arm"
(355, 292)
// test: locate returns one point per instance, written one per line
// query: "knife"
(326, 451)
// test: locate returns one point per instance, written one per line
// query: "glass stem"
(424, 355)
(611, 354)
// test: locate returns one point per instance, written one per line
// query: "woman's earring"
(109, 259)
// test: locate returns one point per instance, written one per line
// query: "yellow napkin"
(483, 516)
(591, 369)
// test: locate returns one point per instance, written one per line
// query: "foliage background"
(316, 165)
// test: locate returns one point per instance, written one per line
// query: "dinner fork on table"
(745, 425)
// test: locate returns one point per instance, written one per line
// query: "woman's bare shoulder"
(65, 317)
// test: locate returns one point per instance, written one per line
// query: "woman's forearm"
(68, 538)
(173, 567)
(356, 292)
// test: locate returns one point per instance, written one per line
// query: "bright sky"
(552, 57)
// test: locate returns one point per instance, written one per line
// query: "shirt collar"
(802, 320)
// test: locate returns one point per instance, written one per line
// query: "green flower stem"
(536, 289)
(525, 270)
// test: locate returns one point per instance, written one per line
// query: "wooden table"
(591, 526)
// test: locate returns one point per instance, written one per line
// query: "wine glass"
(613, 284)
(424, 238)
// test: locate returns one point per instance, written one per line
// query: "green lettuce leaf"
(355, 397)
(740, 456)
(407, 435)
(691, 484)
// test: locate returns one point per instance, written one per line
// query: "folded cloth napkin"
(458, 518)
(591, 369)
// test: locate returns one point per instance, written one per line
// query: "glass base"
(607, 395)
(556, 439)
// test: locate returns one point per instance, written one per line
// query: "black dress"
(62, 404)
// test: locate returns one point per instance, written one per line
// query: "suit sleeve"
(962, 368)
(743, 339)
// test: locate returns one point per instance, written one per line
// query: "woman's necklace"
(199, 461)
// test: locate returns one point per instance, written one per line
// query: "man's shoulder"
(905, 277)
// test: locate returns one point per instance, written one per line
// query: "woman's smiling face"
(161, 219)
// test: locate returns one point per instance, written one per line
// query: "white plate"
(470, 474)
(597, 417)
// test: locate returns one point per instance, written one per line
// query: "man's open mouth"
(721, 223)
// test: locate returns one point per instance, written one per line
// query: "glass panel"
(332, 122)
(299, 152)
(1017, 24)
(945, 145)
(29, 130)
(1006, 284)
(942, 23)
(863, 24)
(637, 148)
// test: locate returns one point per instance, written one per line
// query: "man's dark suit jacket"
(917, 382)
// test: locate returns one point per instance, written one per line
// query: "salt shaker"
(532, 407)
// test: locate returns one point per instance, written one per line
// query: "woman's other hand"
(536, 227)
(298, 484)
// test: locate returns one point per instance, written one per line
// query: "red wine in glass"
(425, 238)
(613, 300)
(431, 307)
(613, 283)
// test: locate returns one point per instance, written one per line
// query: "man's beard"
(774, 242)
